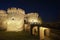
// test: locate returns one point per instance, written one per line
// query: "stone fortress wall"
(13, 19)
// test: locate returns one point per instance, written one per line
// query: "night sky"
(48, 10)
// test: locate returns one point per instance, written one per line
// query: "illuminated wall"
(15, 19)
(33, 18)
(12, 19)
(44, 32)
(3, 17)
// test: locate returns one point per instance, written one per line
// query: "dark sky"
(48, 10)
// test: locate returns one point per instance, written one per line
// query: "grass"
(17, 36)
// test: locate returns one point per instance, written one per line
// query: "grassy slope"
(17, 36)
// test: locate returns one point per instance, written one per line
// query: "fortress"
(14, 19)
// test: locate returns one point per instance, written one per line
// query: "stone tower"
(15, 19)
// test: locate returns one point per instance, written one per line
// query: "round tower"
(15, 19)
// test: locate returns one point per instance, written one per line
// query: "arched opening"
(35, 30)
(44, 32)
